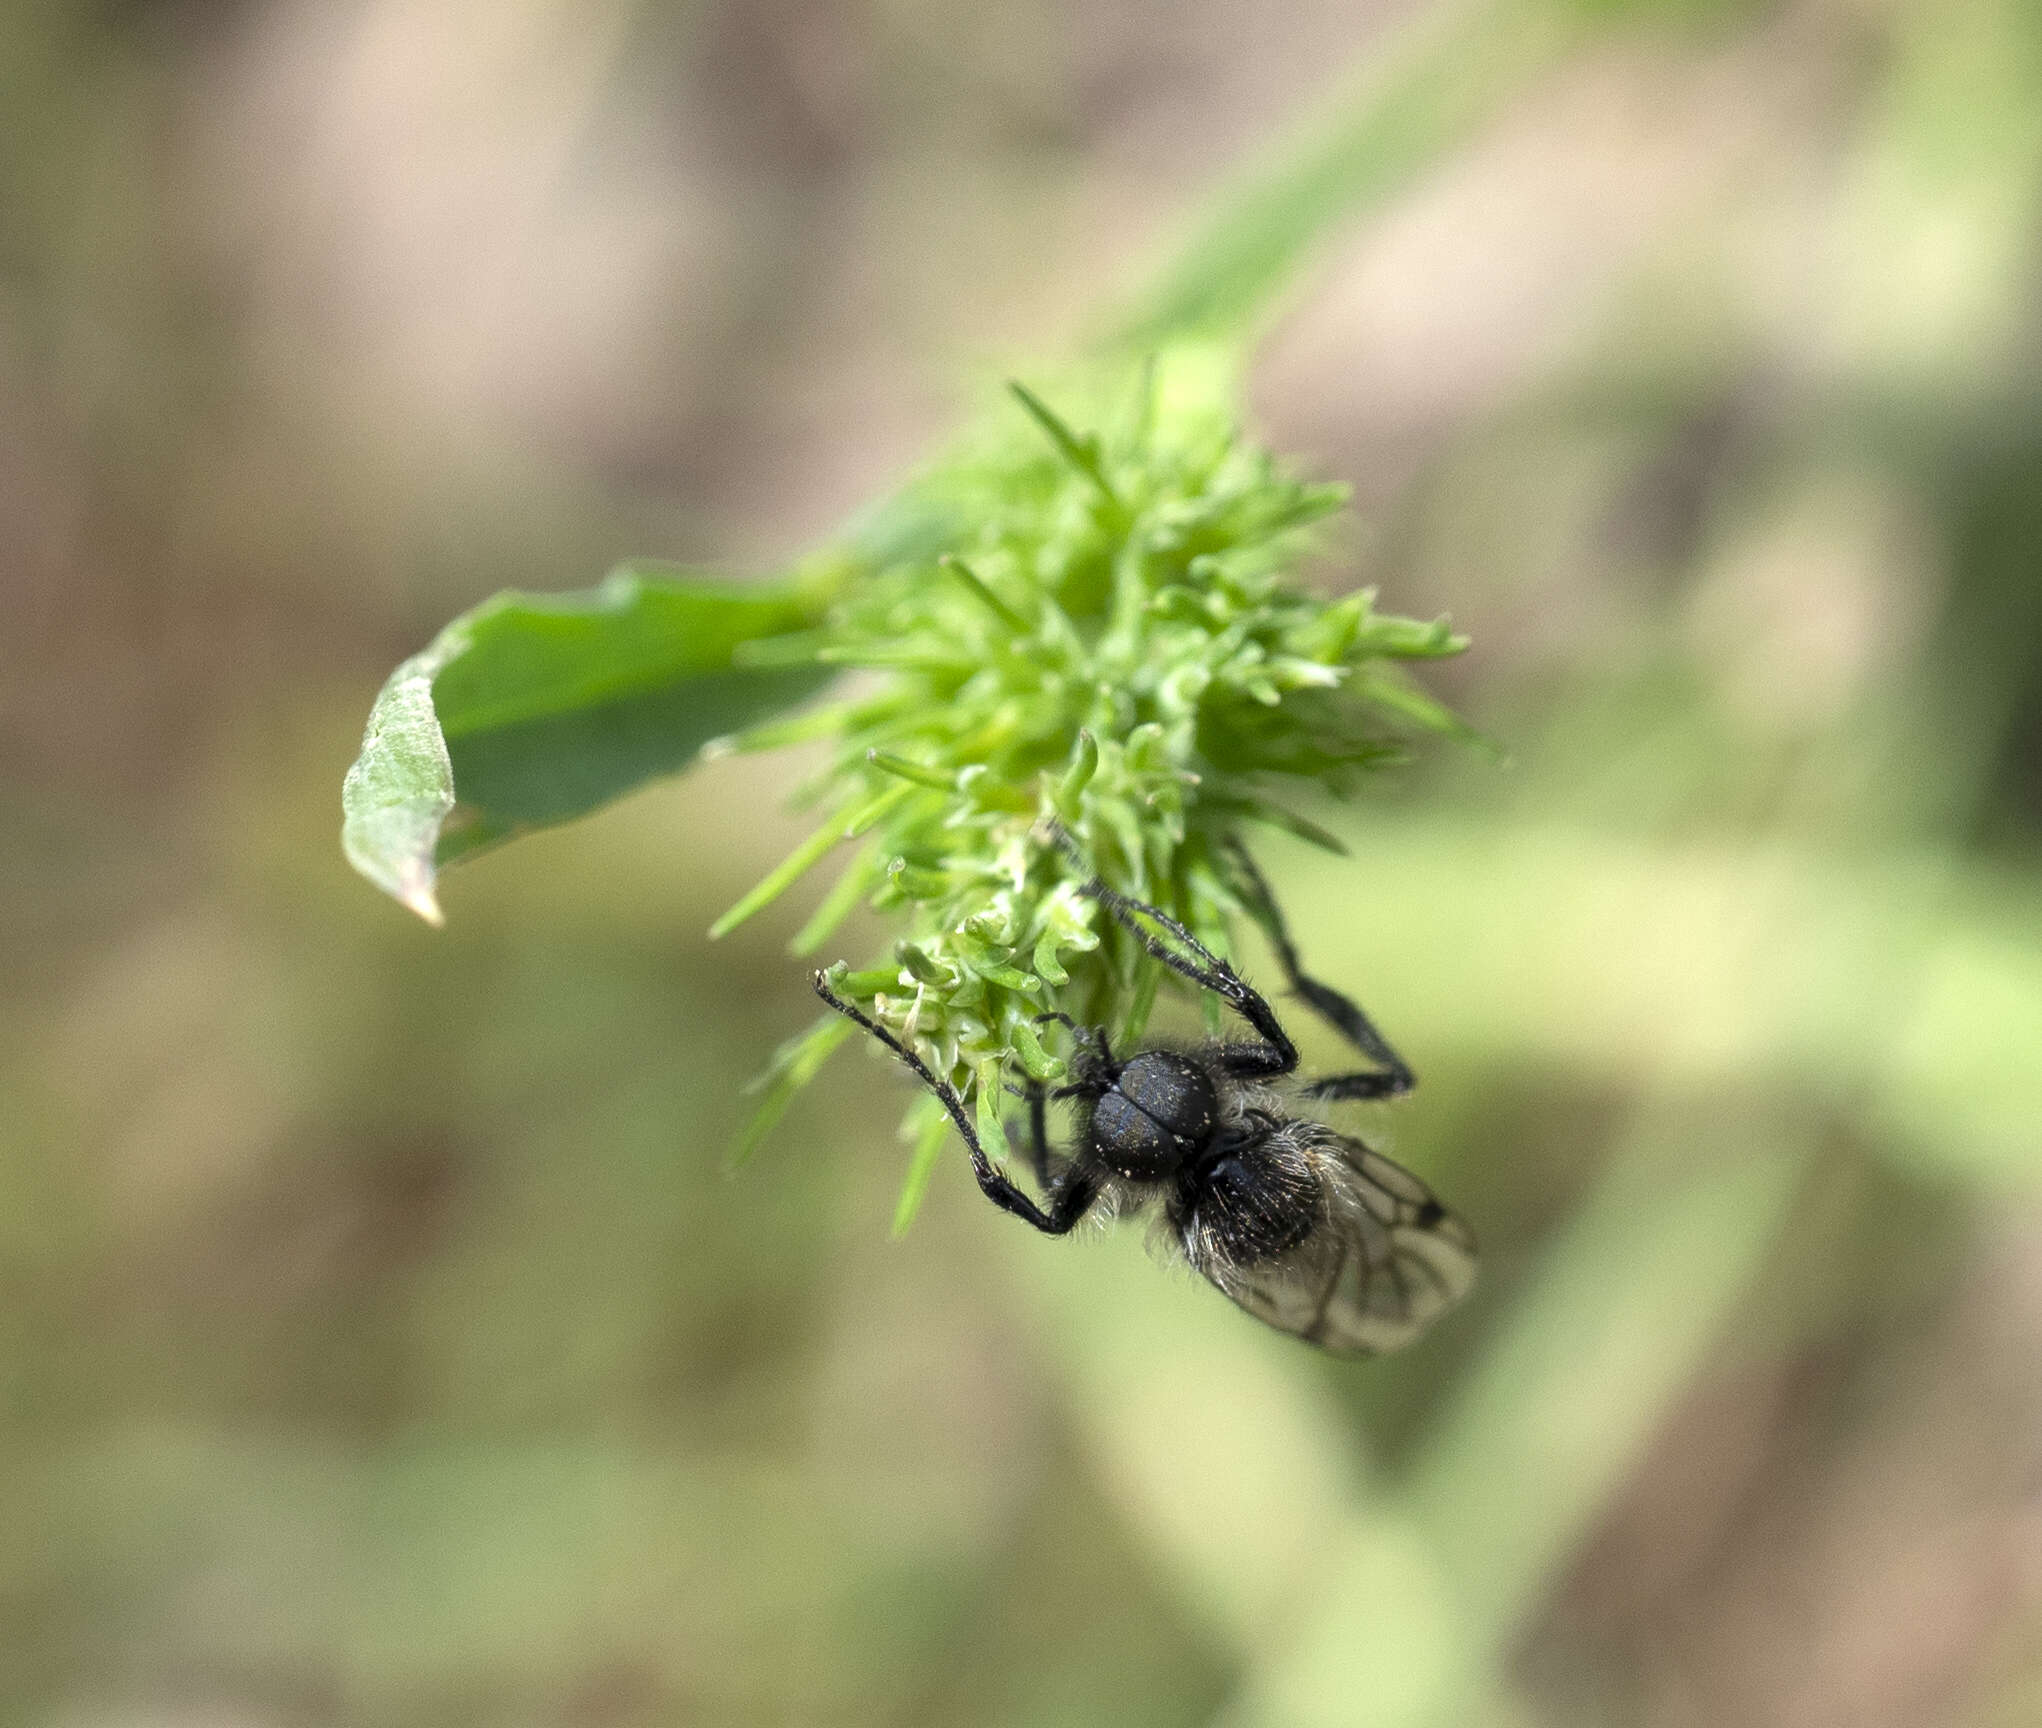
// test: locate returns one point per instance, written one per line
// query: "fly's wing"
(1383, 1262)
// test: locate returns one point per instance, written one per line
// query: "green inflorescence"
(1114, 645)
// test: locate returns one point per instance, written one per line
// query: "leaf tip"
(414, 891)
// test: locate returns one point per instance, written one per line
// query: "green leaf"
(794, 1064)
(930, 1138)
(806, 856)
(401, 787)
(534, 709)
(1082, 453)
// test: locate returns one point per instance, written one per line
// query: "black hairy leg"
(1048, 1166)
(1275, 1054)
(1092, 1065)
(1069, 1198)
(1392, 1076)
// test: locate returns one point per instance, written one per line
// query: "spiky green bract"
(1117, 647)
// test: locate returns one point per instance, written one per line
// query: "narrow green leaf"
(797, 648)
(929, 1142)
(822, 721)
(1081, 453)
(795, 1064)
(807, 855)
(1275, 816)
(992, 1134)
(976, 585)
(1141, 1003)
(935, 778)
(781, 877)
(853, 885)
(869, 815)
(1386, 688)
(1409, 638)
(897, 657)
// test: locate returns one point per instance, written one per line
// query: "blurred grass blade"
(1562, 1404)
(534, 709)
(1416, 103)
(1552, 1419)
(1144, 1356)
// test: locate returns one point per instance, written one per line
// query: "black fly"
(1304, 1227)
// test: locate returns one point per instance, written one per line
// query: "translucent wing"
(1383, 1261)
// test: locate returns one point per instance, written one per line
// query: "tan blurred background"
(380, 1339)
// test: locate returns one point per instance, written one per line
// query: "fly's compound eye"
(1176, 1093)
(1159, 1116)
(1131, 1141)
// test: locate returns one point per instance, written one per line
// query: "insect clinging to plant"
(1306, 1228)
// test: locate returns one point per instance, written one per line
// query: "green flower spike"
(1114, 645)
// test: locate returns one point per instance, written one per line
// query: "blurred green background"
(380, 1338)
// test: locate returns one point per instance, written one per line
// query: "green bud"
(863, 985)
(934, 778)
(919, 965)
(1038, 1062)
(917, 883)
(1084, 764)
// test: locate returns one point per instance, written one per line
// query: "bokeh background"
(381, 1341)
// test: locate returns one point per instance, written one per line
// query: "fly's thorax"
(1242, 1101)
(1257, 1196)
